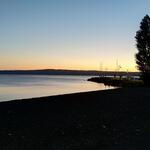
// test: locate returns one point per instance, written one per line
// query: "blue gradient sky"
(69, 34)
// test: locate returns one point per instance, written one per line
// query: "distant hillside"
(64, 72)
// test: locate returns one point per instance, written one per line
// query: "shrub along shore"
(118, 82)
(107, 120)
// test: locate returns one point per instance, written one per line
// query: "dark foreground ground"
(104, 120)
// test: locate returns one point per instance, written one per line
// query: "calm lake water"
(28, 86)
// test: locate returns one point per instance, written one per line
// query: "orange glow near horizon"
(74, 61)
(81, 66)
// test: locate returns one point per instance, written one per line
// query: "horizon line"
(65, 70)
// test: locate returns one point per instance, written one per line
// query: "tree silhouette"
(143, 46)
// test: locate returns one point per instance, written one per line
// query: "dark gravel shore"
(103, 120)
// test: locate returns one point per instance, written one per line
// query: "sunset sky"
(69, 34)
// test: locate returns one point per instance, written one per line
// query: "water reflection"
(27, 86)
